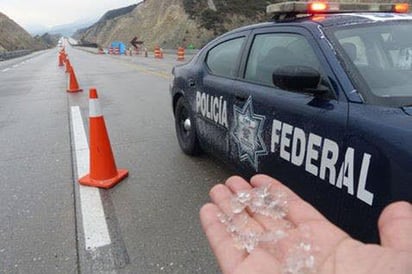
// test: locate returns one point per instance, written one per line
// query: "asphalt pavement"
(151, 217)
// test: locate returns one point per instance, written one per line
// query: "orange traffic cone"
(61, 59)
(103, 172)
(72, 85)
(157, 52)
(68, 65)
(180, 54)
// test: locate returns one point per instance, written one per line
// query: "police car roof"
(330, 19)
(327, 20)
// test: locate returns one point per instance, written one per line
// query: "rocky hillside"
(222, 15)
(173, 23)
(13, 37)
(48, 40)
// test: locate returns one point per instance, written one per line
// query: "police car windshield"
(381, 54)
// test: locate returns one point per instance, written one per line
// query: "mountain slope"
(14, 37)
(174, 23)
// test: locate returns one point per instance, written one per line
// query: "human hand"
(336, 252)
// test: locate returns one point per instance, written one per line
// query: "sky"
(49, 13)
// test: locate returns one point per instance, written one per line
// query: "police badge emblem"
(247, 133)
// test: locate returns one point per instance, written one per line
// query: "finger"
(395, 226)
(238, 184)
(222, 197)
(221, 242)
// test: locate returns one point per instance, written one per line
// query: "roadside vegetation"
(227, 12)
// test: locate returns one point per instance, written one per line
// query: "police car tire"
(187, 138)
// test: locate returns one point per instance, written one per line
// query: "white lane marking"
(96, 232)
(6, 69)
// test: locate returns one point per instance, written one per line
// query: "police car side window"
(221, 60)
(273, 50)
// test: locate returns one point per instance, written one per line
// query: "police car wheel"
(186, 128)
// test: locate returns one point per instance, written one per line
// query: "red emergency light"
(319, 7)
(401, 7)
(316, 7)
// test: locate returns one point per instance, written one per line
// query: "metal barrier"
(14, 54)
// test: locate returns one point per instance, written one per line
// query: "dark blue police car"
(319, 98)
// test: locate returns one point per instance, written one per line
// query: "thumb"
(395, 226)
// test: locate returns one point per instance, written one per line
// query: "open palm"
(336, 251)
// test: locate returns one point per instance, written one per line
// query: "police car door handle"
(191, 83)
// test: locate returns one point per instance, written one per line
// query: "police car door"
(296, 137)
(221, 64)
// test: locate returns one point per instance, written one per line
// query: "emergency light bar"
(301, 7)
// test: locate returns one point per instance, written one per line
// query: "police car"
(320, 98)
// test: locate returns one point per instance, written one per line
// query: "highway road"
(149, 222)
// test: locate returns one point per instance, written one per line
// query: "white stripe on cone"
(94, 108)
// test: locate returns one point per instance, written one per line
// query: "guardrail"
(13, 54)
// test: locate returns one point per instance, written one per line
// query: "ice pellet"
(231, 228)
(300, 260)
(223, 218)
(237, 206)
(273, 236)
(260, 201)
(247, 240)
(300, 257)
(243, 197)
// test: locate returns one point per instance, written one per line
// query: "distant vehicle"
(320, 98)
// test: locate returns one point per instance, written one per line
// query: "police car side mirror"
(297, 78)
